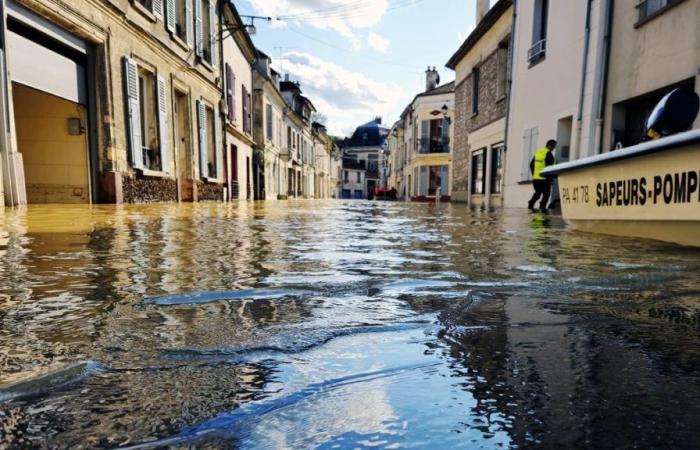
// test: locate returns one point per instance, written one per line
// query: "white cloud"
(342, 16)
(378, 42)
(348, 98)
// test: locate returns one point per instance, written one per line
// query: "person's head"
(551, 144)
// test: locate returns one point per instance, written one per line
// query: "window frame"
(654, 14)
(475, 170)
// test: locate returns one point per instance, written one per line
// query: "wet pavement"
(341, 325)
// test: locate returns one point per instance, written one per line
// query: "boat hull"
(654, 194)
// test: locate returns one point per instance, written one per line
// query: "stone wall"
(149, 189)
(492, 107)
(210, 191)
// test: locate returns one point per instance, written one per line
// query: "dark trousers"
(543, 188)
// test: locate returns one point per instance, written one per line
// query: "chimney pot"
(482, 7)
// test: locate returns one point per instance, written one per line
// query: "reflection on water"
(341, 325)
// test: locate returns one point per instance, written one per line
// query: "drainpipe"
(584, 69)
(511, 53)
(222, 66)
(605, 71)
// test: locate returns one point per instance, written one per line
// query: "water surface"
(341, 325)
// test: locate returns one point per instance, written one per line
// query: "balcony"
(429, 147)
(537, 52)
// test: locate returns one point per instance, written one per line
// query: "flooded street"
(341, 325)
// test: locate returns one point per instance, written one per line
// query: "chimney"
(286, 77)
(432, 79)
(482, 7)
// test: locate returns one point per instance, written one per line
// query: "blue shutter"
(444, 180)
(445, 135)
(424, 136)
(423, 181)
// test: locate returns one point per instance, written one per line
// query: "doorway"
(562, 153)
(183, 146)
(51, 136)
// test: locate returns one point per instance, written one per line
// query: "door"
(234, 173)
(183, 147)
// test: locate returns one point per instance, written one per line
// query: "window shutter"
(218, 149)
(250, 113)
(133, 108)
(423, 181)
(424, 136)
(202, 124)
(163, 124)
(198, 29)
(445, 135)
(244, 94)
(444, 180)
(157, 8)
(229, 91)
(268, 111)
(189, 23)
(233, 94)
(213, 26)
(171, 15)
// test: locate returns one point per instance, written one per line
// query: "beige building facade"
(125, 83)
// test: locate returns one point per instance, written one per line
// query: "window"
(289, 137)
(180, 20)
(478, 170)
(146, 105)
(359, 177)
(205, 30)
(210, 156)
(497, 160)
(346, 176)
(247, 103)
(230, 93)
(539, 32)
(476, 74)
(268, 122)
(649, 9)
(435, 136)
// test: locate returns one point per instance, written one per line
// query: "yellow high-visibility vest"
(540, 158)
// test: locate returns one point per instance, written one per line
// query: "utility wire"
(347, 11)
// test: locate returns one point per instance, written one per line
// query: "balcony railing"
(433, 146)
(537, 51)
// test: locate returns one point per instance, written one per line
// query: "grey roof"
(444, 89)
(371, 134)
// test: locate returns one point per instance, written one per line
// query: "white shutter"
(133, 108)
(198, 31)
(171, 15)
(202, 124)
(213, 26)
(219, 151)
(163, 124)
(189, 23)
(157, 8)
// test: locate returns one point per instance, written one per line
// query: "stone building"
(427, 142)
(239, 55)
(125, 93)
(297, 120)
(271, 158)
(368, 145)
(481, 98)
(396, 146)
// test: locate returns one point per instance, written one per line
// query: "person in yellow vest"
(543, 186)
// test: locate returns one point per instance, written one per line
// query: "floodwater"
(341, 325)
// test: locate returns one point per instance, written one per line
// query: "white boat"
(650, 190)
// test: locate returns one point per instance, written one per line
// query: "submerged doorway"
(51, 136)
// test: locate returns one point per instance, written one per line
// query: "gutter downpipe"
(584, 70)
(511, 53)
(605, 70)
(222, 65)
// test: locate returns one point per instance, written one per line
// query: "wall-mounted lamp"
(445, 110)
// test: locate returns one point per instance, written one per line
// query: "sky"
(359, 59)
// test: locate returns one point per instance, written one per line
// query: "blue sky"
(357, 59)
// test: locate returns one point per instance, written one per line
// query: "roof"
(241, 30)
(444, 89)
(370, 134)
(482, 27)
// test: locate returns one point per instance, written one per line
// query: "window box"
(650, 9)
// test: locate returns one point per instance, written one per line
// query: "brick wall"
(492, 107)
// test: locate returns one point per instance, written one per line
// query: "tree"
(320, 118)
